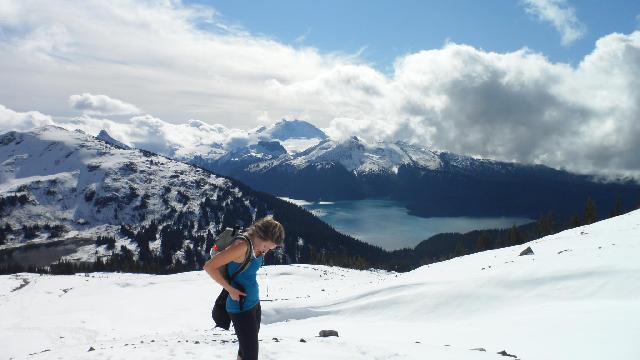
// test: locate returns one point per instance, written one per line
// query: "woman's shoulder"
(239, 248)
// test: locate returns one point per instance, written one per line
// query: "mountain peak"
(292, 129)
(104, 136)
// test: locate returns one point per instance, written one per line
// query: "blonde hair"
(268, 229)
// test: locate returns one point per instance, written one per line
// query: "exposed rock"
(91, 349)
(527, 251)
(478, 349)
(327, 333)
(504, 353)
(303, 340)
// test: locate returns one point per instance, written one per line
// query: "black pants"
(247, 325)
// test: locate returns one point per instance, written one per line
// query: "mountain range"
(68, 195)
(429, 182)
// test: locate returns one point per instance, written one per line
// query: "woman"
(243, 303)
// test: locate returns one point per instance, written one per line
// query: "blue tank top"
(247, 280)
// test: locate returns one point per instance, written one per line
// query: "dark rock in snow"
(303, 340)
(504, 353)
(327, 333)
(104, 136)
(478, 349)
(527, 251)
(91, 349)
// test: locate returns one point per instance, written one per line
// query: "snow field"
(577, 297)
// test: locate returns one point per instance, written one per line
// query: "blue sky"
(384, 30)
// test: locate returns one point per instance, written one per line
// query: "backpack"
(224, 239)
(227, 237)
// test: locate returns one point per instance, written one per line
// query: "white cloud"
(514, 106)
(11, 120)
(101, 105)
(560, 15)
(507, 106)
(151, 133)
(153, 54)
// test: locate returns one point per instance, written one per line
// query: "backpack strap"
(247, 257)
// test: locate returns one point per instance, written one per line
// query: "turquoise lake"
(387, 224)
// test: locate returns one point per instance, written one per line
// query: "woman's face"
(261, 246)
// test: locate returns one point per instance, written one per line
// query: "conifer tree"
(618, 209)
(460, 249)
(545, 225)
(482, 243)
(574, 221)
(514, 237)
(590, 212)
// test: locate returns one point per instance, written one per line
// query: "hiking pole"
(266, 279)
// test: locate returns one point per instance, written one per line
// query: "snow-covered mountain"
(354, 154)
(361, 158)
(291, 129)
(576, 297)
(62, 191)
(294, 135)
(85, 187)
(431, 183)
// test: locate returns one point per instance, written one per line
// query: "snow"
(291, 129)
(295, 145)
(360, 157)
(577, 297)
(295, 201)
(57, 168)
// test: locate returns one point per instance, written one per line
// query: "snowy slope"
(264, 146)
(90, 188)
(360, 157)
(291, 129)
(576, 298)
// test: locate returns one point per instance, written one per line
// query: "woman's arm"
(214, 266)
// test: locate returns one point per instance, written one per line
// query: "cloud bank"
(11, 120)
(180, 63)
(101, 105)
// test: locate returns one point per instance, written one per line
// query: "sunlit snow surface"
(578, 297)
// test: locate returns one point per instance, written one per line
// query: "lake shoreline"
(390, 225)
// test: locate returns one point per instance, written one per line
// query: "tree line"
(308, 240)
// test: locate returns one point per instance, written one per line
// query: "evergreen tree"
(590, 212)
(574, 222)
(618, 209)
(482, 243)
(4, 233)
(499, 242)
(209, 242)
(514, 237)
(171, 240)
(545, 225)
(460, 249)
(189, 258)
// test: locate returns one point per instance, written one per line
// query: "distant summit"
(104, 136)
(292, 129)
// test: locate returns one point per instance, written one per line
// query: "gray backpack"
(226, 238)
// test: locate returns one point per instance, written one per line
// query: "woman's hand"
(235, 294)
